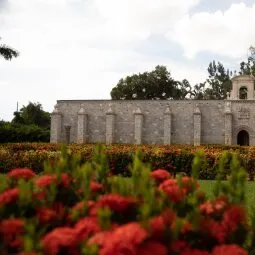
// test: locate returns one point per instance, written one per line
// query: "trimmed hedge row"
(22, 133)
(173, 158)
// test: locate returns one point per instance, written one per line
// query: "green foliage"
(7, 52)
(32, 114)
(157, 84)
(126, 208)
(22, 133)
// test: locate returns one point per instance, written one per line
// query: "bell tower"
(242, 88)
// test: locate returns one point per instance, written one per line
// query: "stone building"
(229, 122)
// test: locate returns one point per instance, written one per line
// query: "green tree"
(198, 91)
(219, 82)
(32, 114)
(157, 84)
(249, 66)
(8, 53)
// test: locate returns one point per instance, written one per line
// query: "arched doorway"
(243, 138)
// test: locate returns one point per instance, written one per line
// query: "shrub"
(74, 208)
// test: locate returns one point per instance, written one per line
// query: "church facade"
(230, 121)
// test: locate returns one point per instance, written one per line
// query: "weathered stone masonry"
(158, 121)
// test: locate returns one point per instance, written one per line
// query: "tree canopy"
(32, 114)
(7, 52)
(157, 84)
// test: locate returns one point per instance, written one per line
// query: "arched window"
(243, 92)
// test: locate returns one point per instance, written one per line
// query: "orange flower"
(9, 196)
(21, 173)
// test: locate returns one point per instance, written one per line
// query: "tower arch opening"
(243, 138)
(243, 92)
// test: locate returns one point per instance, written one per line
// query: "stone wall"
(152, 121)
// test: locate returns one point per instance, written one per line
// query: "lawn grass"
(207, 187)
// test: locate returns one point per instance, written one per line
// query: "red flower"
(116, 202)
(9, 196)
(100, 238)
(194, 252)
(46, 180)
(159, 224)
(171, 188)
(216, 206)
(233, 216)
(160, 175)
(231, 249)
(21, 173)
(178, 245)
(131, 232)
(65, 180)
(59, 238)
(81, 205)
(95, 186)
(188, 183)
(87, 227)
(11, 230)
(214, 229)
(124, 240)
(151, 247)
(46, 215)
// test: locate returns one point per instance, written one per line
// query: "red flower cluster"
(159, 224)
(173, 190)
(46, 180)
(96, 187)
(231, 249)
(87, 227)
(63, 238)
(12, 230)
(21, 173)
(46, 215)
(68, 222)
(116, 202)
(215, 207)
(9, 196)
(222, 228)
(160, 175)
(124, 240)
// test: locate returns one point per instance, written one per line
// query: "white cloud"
(228, 33)
(79, 49)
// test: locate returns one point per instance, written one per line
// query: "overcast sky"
(79, 49)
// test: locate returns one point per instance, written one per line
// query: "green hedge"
(174, 159)
(22, 133)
